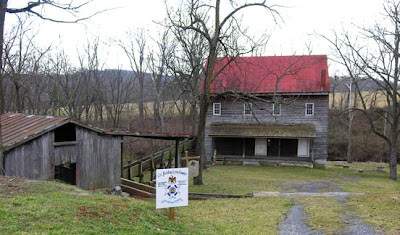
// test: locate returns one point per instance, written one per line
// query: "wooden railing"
(159, 160)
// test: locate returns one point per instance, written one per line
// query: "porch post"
(244, 147)
(312, 149)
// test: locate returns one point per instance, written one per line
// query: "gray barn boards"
(47, 148)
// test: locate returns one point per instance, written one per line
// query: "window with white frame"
(216, 108)
(276, 109)
(247, 109)
(309, 109)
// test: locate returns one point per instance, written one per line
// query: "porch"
(263, 161)
(261, 144)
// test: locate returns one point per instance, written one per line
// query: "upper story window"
(247, 109)
(276, 109)
(216, 108)
(309, 109)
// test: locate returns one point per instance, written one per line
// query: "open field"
(375, 98)
(51, 207)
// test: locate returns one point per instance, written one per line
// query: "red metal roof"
(268, 74)
(17, 127)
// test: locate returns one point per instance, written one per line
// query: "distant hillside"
(339, 85)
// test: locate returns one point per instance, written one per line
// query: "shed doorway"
(66, 173)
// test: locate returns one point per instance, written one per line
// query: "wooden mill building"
(270, 110)
(47, 148)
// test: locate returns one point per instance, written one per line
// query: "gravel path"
(294, 223)
(304, 194)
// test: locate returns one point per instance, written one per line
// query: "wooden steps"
(137, 189)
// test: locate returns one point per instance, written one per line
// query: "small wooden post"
(140, 172)
(177, 153)
(215, 157)
(129, 170)
(162, 160)
(171, 213)
(170, 158)
(187, 158)
(152, 166)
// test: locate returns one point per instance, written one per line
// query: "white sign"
(172, 187)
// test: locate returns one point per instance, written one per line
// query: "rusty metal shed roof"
(17, 128)
(262, 130)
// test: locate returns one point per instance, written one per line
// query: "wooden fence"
(159, 160)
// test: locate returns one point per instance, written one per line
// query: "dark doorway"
(229, 146)
(273, 147)
(66, 173)
(250, 145)
(282, 147)
(289, 147)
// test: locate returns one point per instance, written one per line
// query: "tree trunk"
(393, 161)
(350, 137)
(193, 115)
(200, 147)
(141, 107)
(3, 7)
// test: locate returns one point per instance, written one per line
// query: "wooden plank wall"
(98, 159)
(291, 113)
(32, 160)
(65, 154)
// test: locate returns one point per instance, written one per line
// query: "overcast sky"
(302, 20)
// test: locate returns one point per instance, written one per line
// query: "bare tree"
(187, 65)
(377, 59)
(66, 87)
(117, 88)
(90, 74)
(157, 64)
(33, 8)
(135, 50)
(215, 29)
(23, 60)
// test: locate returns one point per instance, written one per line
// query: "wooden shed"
(47, 148)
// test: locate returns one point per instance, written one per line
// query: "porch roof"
(262, 130)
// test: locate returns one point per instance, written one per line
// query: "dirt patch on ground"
(10, 186)
(92, 212)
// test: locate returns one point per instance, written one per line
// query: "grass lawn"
(51, 207)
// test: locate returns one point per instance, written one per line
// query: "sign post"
(172, 189)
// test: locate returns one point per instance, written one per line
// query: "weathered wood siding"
(292, 113)
(98, 159)
(65, 154)
(32, 160)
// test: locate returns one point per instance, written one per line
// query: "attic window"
(276, 109)
(217, 109)
(65, 133)
(247, 109)
(309, 109)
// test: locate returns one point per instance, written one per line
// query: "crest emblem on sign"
(172, 188)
